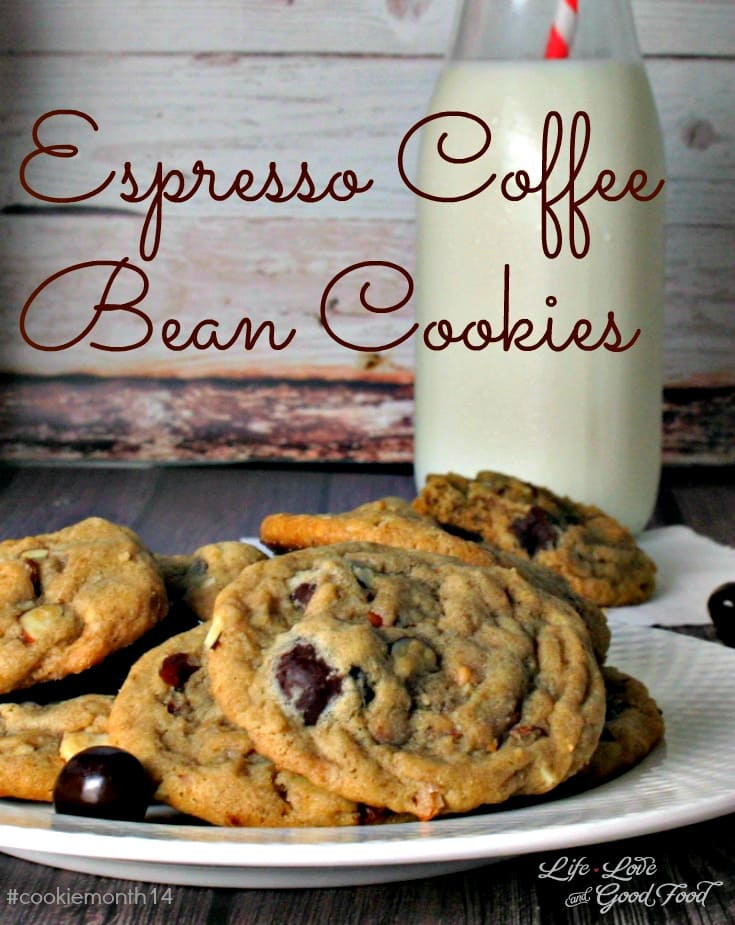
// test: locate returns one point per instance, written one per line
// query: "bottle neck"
(519, 30)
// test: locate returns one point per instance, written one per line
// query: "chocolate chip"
(371, 815)
(461, 533)
(34, 573)
(302, 594)
(535, 531)
(307, 681)
(278, 785)
(176, 670)
(367, 694)
(614, 707)
(198, 567)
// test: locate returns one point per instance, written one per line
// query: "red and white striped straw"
(561, 34)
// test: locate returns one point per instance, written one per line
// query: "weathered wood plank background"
(240, 83)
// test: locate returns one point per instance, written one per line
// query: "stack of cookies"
(389, 663)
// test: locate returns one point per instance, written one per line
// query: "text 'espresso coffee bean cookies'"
(406, 680)
(70, 598)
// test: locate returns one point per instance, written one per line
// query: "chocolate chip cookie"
(36, 741)
(195, 580)
(633, 727)
(404, 679)
(592, 551)
(394, 522)
(204, 765)
(70, 598)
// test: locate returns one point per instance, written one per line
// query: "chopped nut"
(213, 634)
(74, 742)
(549, 778)
(41, 621)
(364, 575)
(412, 657)
(374, 619)
(464, 674)
(524, 731)
(14, 745)
(34, 554)
(428, 801)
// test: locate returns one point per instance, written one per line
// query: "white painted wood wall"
(238, 83)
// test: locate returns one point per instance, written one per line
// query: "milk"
(583, 423)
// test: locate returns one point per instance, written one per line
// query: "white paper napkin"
(690, 567)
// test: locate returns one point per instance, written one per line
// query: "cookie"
(597, 556)
(197, 579)
(405, 679)
(70, 598)
(36, 741)
(633, 727)
(394, 522)
(204, 765)
(390, 521)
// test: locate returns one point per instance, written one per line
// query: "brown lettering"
(445, 156)
(326, 300)
(98, 310)
(58, 150)
(558, 181)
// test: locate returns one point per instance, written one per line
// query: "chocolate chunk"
(176, 670)
(302, 594)
(614, 707)
(371, 815)
(307, 681)
(461, 533)
(34, 572)
(367, 694)
(535, 531)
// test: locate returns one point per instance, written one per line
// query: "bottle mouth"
(521, 29)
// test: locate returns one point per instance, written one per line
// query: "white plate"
(686, 779)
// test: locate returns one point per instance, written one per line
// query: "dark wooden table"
(177, 509)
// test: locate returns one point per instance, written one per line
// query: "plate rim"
(376, 846)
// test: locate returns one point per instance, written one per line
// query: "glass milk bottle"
(539, 283)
